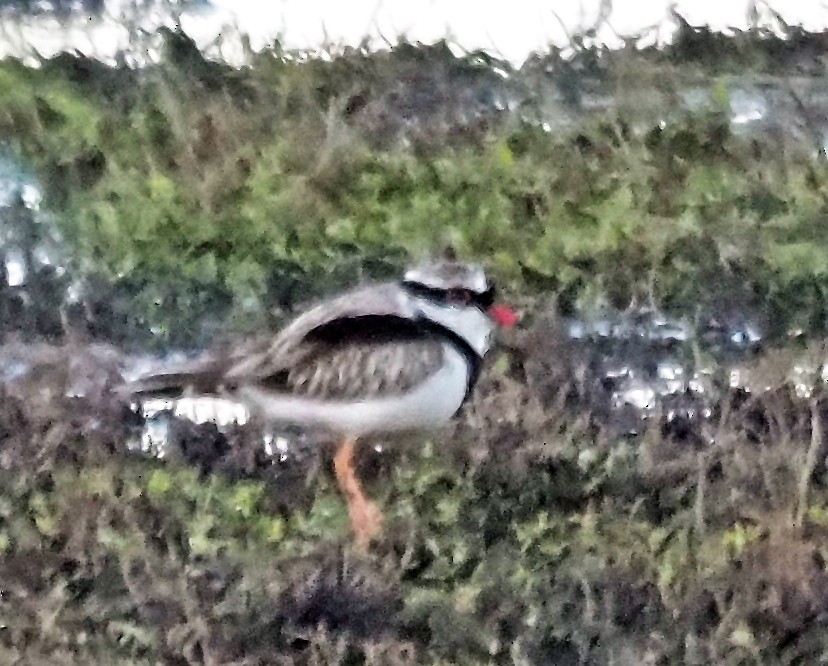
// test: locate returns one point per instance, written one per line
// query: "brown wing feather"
(362, 369)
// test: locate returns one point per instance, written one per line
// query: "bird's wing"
(359, 367)
(366, 342)
(262, 359)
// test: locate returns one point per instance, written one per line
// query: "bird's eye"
(459, 296)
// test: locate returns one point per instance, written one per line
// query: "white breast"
(429, 405)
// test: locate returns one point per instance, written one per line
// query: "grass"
(526, 534)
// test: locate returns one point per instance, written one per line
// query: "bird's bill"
(503, 315)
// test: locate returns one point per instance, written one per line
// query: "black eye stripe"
(484, 300)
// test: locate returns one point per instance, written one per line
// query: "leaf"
(159, 483)
(274, 529)
(160, 187)
(504, 154)
(200, 537)
(245, 499)
(739, 537)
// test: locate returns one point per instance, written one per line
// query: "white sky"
(511, 29)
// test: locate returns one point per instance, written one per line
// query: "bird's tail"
(166, 385)
(201, 376)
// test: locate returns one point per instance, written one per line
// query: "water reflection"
(653, 366)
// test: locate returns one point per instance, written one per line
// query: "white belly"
(429, 405)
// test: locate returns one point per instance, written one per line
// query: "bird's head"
(460, 297)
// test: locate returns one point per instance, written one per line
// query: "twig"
(810, 463)
(701, 485)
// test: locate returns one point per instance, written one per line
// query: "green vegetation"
(208, 189)
(526, 536)
(518, 539)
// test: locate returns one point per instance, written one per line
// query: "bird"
(377, 359)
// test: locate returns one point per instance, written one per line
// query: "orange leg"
(366, 518)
